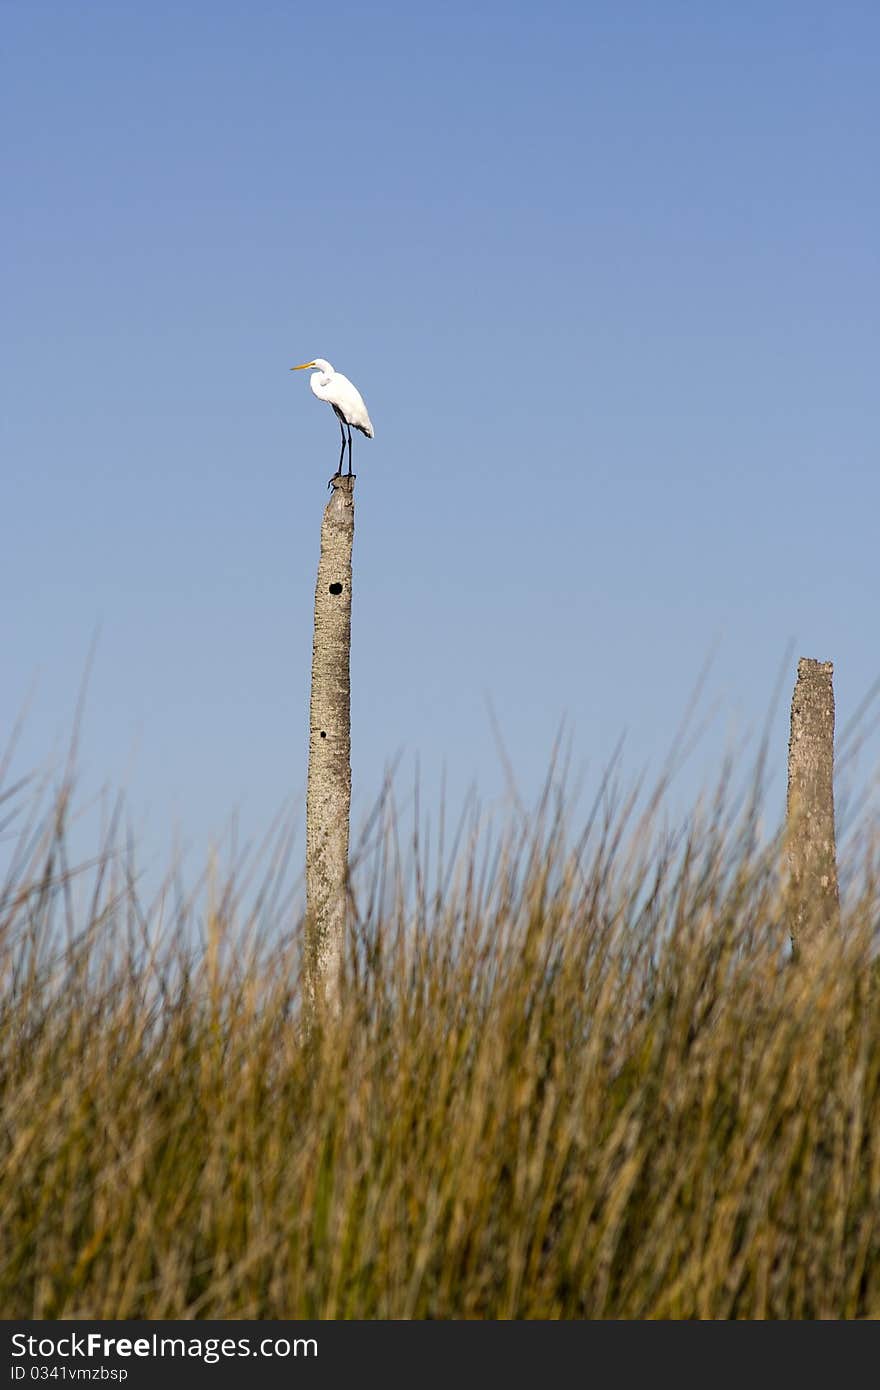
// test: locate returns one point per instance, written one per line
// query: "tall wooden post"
(812, 854)
(328, 796)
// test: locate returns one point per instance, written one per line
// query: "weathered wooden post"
(812, 855)
(328, 795)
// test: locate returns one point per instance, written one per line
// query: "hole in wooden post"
(336, 588)
(323, 735)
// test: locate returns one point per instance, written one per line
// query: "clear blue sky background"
(607, 276)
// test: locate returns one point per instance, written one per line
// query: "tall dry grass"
(568, 1080)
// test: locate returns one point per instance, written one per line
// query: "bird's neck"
(319, 382)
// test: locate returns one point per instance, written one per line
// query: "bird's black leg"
(342, 450)
(349, 450)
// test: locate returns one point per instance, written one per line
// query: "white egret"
(346, 400)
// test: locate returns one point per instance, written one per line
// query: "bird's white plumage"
(346, 400)
(341, 393)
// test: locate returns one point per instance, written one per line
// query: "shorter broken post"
(812, 855)
(328, 795)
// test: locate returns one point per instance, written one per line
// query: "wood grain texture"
(812, 853)
(328, 797)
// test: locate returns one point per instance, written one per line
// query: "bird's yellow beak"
(302, 366)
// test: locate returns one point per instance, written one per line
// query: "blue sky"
(607, 276)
